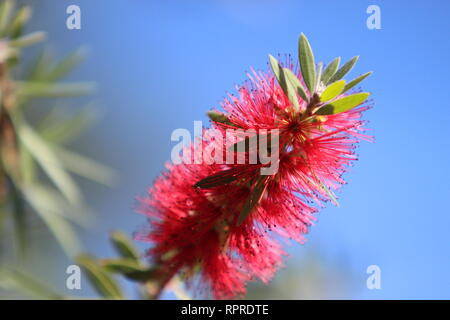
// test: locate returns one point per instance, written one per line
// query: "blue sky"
(160, 65)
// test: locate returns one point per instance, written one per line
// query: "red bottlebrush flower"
(192, 229)
(216, 220)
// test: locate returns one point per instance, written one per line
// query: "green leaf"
(220, 117)
(13, 278)
(307, 64)
(86, 167)
(6, 8)
(64, 129)
(49, 162)
(343, 104)
(130, 268)
(100, 279)
(253, 199)
(343, 70)
(123, 265)
(333, 90)
(50, 210)
(123, 245)
(53, 90)
(66, 65)
(295, 81)
(354, 82)
(28, 40)
(216, 180)
(39, 67)
(19, 21)
(287, 87)
(330, 70)
(20, 219)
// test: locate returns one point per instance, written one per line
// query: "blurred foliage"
(37, 166)
(102, 275)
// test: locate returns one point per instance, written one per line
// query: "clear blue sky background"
(160, 65)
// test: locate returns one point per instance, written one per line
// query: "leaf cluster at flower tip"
(321, 91)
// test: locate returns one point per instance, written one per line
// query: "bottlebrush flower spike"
(216, 223)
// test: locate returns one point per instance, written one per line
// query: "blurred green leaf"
(307, 64)
(343, 70)
(19, 217)
(49, 162)
(15, 279)
(5, 12)
(103, 283)
(124, 245)
(39, 67)
(130, 268)
(86, 167)
(330, 70)
(27, 165)
(18, 22)
(343, 104)
(27, 40)
(66, 65)
(63, 130)
(49, 209)
(332, 91)
(53, 90)
(354, 82)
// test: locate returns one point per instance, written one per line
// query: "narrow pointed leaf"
(28, 40)
(130, 268)
(123, 245)
(343, 104)
(332, 91)
(49, 162)
(50, 214)
(19, 21)
(122, 265)
(354, 82)
(219, 179)
(253, 199)
(86, 167)
(64, 129)
(287, 87)
(220, 117)
(292, 78)
(25, 283)
(5, 11)
(66, 65)
(39, 67)
(100, 279)
(307, 64)
(343, 70)
(330, 70)
(53, 90)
